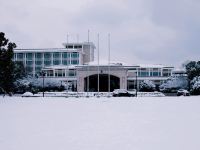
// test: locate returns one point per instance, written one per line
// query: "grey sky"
(142, 31)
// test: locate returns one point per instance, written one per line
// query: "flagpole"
(98, 63)
(88, 66)
(109, 65)
(67, 72)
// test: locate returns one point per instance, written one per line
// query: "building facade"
(35, 60)
(74, 65)
(121, 76)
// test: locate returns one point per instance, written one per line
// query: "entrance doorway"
(103, 83)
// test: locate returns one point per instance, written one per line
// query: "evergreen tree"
(6, 64)
(19, 70)
(193, 69)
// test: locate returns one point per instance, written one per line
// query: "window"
(143, 72)
(72, 72)
(29, 56)
(38, 56)
(77, 46)
(59, 73)
(65, 55)
(49, 73)
(56, 62)
(156, 74)
(56, 55)
(38, 62)
(65, 62)
(56, 58)
(69, 46)
(47, 55)
(74, 55)
(47, 62)
(20, 56)
(74, 62)
(29, 63)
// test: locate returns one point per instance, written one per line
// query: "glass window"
(65, 62)
(29, 56)
(56, 62)
(56, 55)
(29, 63)
(72, 73)
(38, 62)
(74, 62)
(49, 73)
(47, 62)
(156, 74)
(20, 56)
(69, 46)
(77, 46)
(38, 56)
(74, 55)
(65, 55)
(47, 55)
(144, 74)
(59, 73)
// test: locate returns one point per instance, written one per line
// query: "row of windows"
(61, 73)
(147, 74)
(152, 72)
(47, 55)
(50, 73)
(74, 46)
(49, 62)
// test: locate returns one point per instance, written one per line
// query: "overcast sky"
(142, 31)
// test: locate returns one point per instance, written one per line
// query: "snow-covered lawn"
(144, 123)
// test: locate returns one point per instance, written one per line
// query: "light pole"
(136, 84)
(43, 75)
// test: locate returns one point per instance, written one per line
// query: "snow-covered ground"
(143, 123)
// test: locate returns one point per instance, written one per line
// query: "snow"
(60, 67)
(27, 94)
(144, 123)
(105, 63)
(196, 83)
(153, 66)
(175, 82)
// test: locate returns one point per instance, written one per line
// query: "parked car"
(183, 92)
(122, 93)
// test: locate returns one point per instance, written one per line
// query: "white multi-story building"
(75, 65)
(73, 54)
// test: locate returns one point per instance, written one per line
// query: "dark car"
(122, 93)
(183, 92)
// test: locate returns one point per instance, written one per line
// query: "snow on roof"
(105, 63)
(46, 50)
(60, 67)
(153, 66)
